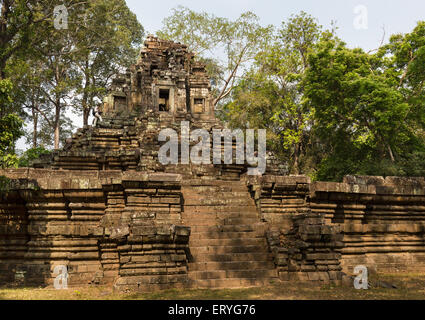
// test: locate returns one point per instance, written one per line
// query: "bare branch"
(41, 112)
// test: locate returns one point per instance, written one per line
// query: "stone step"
(230, 177)
(204, 190)
(200, 275)
(193, 223)
(218, 215)
(212, 201)
(217, 194)
(211, 182)
(257, 274)
(226, 235)
(257, 227)
(220, 222)
(187, 191)
(228, 249)
(232, 186)
(239, 221)
(217, 209)
(232, 265)
(233, 257)
(232, 283)
(193, 243)
(226, 274)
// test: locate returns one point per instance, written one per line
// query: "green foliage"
(106, 41)
(16, 22)
(210, 37)
(69, 67)
(11, 128)
(369, 108)
(330, 110)
(10, 132)
(31, 155)
(202, 32)
(8, 160)
(5, 92)
(4, 185)
(270, 96)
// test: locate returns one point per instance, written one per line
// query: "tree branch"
(41, 112)
(231, 77)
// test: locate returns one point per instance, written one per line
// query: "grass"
(409, 286)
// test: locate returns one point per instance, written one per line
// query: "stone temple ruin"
(105, 208)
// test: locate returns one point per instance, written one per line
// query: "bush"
(31, 155)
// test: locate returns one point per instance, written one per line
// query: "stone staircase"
(227, 243)
(112, 145)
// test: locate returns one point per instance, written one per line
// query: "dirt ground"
(409, 286)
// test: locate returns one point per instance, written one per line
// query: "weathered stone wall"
(13, 235)
(105, 226)
(379, 221)
(126, 228)
(303, 245)
(130, 143)
(382, 220)
(278, 198)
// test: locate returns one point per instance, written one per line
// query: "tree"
(25, 26)
(59, 78)
(19, 23)
(369, 108)
(31, 155)
(404, 60)
(16, 19)
(106, 42)
(72, 67)
(10, 129)
(271, 96)
(209, 36)
(27, 94)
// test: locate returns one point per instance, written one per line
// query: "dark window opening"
(153, 67)
(164, 100)
(139, 79)
(198, 105)
(120, 104)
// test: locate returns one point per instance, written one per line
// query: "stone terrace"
(104, 206)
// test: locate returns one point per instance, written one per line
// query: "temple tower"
(165, 79)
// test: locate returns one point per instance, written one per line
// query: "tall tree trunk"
(390, 151)
(2, 77)
(2, 70)
(86, 107)
(57, 109)
(57, 123)
(5, 7)
(35, 128)
(296, 158)
(4, 37)
(86, 114)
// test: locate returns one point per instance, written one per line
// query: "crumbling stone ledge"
(125, 228)
(104, 226)
(379, 222)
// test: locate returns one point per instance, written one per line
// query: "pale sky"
(395, 16)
